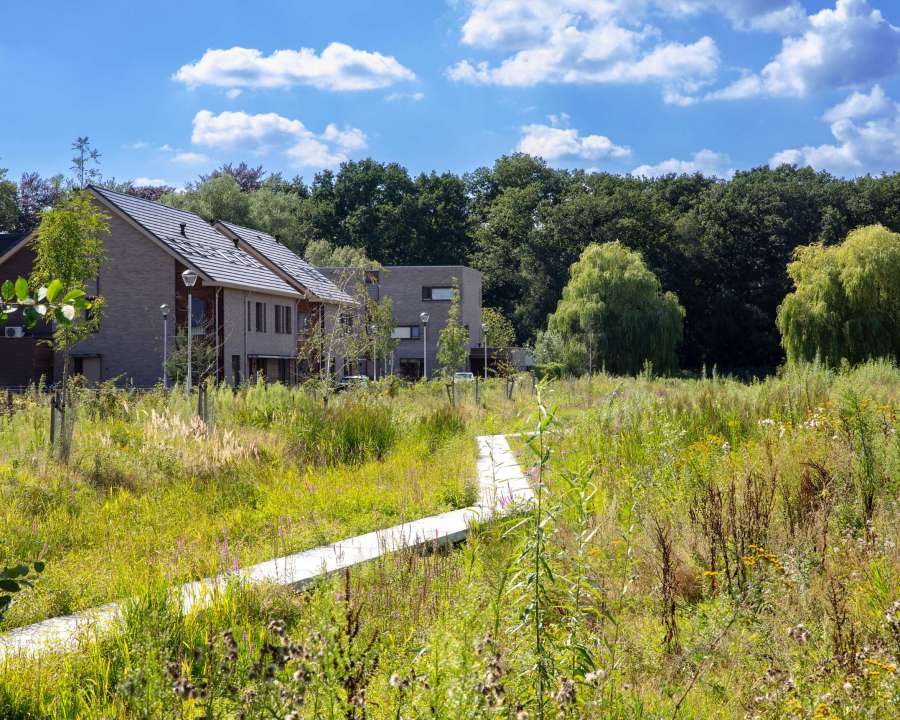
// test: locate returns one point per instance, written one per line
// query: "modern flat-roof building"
(253, 300)
(416, 289)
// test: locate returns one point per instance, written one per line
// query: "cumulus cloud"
(338, 67)
(841, 47)
(397, 96)
(264, 132)
(866, 128)
(706, 162)
(552, 142)
(190, 158)
(778, 16)
(578, 41)
(150, 182)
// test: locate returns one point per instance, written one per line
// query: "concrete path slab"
(502, 485)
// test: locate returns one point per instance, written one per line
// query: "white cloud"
(780, 16)
(338, 67)
(872, 146)
(138, 145)
(264, 132)
(706, 162)
(579, 41)
(860, 105)
(166, 148)
(554, 143)
(190, 158)
(397, 96)
(234, 93)
(841, 47)
(151, 182)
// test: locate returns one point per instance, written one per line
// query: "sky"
(169, 90)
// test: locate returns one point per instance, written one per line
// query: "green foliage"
(218, 198)
(15, 579)
(453, 341)
(69, 253)
(9, 209)
(615, 314)
(500, 331)
(846, 302)
(321, 253)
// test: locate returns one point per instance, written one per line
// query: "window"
(406, 332)
(347, 321)
(235, 370)
(284, 371)
(198, 316)
(302, 323)
(437, 293)
(260, 317)
(283, 319)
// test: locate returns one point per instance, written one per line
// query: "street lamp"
(425, 317)
(484, 329)
(373, 329)
(189, 277)
(164, 309)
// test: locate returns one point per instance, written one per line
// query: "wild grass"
(151, 493)
(704, 549)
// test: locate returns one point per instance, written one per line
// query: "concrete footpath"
(501, 484)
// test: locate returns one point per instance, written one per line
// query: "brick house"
(415, 289)
(251, 301)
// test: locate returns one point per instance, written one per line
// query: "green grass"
(151, 496)
(783, 600)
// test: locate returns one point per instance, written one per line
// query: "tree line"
(721, 246)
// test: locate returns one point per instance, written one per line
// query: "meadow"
(152, 495)
(700, 548)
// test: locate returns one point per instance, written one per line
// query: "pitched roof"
(198, 244)
(8, 240)
(290, 263)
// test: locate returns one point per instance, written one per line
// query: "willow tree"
(613, 313)
(846, 301)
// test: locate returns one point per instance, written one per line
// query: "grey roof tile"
(292, 264)
(201, 245)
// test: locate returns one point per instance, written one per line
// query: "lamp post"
(484, 329)
(164, 309)
(373, 329)
(424, 317)
(189, 277)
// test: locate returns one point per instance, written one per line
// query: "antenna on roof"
(183, 226)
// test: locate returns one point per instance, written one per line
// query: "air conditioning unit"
(14, 331)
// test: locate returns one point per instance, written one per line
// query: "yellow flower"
(712, 573)
(822, 711)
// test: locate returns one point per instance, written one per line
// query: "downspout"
(245, 312)
(218, 365)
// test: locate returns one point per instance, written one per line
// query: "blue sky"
(168, 90)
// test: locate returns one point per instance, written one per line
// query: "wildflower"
(822, 711)
(565, 693)
(711, 573)
(848, 686)
(595, 676)
(799, 634)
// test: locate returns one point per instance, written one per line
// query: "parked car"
(463, 377)
(352, 381)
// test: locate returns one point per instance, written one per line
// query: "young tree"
(69, 249)
(846, 301)
(453, 342)
(86, 163)
(614, 312)
(500, 331)
(381, 330)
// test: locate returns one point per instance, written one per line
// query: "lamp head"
(189, 277)
(164, 309)
(424, 317)
(484, 327)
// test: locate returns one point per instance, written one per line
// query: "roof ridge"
(101, 189)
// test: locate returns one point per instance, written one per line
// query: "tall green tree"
(846, 299)
(614, 313)
(218, 198)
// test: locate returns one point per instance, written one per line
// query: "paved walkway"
(501, 483)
